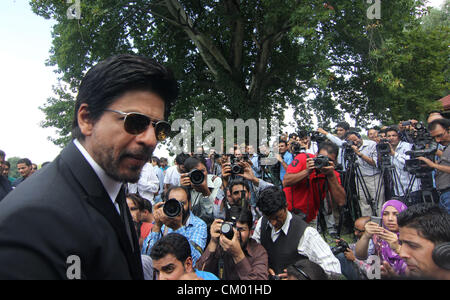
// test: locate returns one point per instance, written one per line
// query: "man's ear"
(85, 123)
(188, 265)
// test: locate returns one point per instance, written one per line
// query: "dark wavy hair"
(173, 243)
(271, 200)
(430, 220)
(112, 78)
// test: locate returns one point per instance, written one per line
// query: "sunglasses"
(136, 123)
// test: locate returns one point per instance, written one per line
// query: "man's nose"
(148, 137)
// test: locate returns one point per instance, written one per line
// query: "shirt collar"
(286, 224)
(111, 186)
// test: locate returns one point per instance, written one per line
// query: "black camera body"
(318, 137)
(172, 208)
(236, 168)
(341, 247)
(196, 176)
(383, 147)
(227, 229)
(321, 161)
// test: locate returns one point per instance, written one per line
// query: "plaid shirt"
(195, 231)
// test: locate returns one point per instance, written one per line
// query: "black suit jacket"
(5, 187)
(62, 211)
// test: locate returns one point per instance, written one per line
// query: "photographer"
(178, 219)
(238, 257)
(306, 184)
(439, 130)
(204, 188)
(284, 157)
(212, 163)
(398, 160)
(341, 130)
(306, 143)
(366, 153)
(246, 180)
(353, 268)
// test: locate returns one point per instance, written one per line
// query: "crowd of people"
(248, 214)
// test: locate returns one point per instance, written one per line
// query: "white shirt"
(399, 162)
(111, 186)
(310, 245)
(172, 176)
(148, 184)
(369, 149)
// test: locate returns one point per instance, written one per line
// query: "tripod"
(353, 180)
(428, 193)
(390, 177)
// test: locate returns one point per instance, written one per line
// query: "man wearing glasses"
(71, 220)
(353, 268)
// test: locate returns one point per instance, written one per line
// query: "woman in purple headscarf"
(385, 237)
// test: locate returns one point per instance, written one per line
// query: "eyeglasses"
(136, 123)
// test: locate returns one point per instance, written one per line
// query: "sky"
(26, 83)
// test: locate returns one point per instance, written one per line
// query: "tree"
(235, 59)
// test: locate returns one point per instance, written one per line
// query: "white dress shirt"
(172, 176)
(148, 184)
(399, 162)
(111, 186)
(310, 245)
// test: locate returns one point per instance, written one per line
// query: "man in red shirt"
(307, 184)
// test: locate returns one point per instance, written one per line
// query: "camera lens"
(196, 176)
(227, 230)
(172, 208)
(236, 169)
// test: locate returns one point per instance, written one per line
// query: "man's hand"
(215, 230)
(161, 219)
(349, 255)
(310, 166)
(329, 170)
(279, 158)
(429, 162)
(320, 130)
(233, 246)
(185, 180)
(282, 276)
(248, 173)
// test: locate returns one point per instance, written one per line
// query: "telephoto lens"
(227, 230)
(196, 176)
(172, 208)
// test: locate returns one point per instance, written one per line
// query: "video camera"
(317, 137)
(321, 161)
(418, 167)
(384, 150)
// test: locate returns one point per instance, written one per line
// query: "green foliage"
(245, 59)
(13, 172)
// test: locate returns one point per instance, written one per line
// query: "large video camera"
(317, 137)
(384, 150)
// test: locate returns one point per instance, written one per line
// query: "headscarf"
(386, 253)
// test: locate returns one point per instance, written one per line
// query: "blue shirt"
(206, 275)
(195, 231)
(288, 158)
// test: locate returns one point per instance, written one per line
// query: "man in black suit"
(70, 220)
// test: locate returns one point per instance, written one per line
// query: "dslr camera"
(172, 208)
(196, 176)
(236, 168)
(341, 247)
(321, 161)
(227, 229)
(318, 137)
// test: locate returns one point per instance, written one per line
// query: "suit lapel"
(96, 195)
